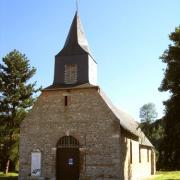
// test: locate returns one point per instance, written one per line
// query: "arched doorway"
(67, 159)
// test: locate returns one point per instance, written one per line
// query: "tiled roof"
(127, 122)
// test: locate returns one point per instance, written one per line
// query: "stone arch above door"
(68, 142)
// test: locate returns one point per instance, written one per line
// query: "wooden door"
(67, 164)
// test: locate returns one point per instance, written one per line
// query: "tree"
(147, 114)
(156, 138)
(16, 98)
(171, 83)
(153, 129)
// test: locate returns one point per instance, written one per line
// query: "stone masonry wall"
(87, 118)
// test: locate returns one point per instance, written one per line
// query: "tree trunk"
(7, 166)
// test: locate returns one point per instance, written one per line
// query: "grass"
(9, 176)
(160, 175)
(166, 175)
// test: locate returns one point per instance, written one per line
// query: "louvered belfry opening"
(68, 142)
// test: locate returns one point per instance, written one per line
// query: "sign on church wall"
(35, 163)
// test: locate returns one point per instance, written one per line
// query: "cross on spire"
(77, 5)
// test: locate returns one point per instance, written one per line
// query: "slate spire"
(74, 64)
(76, 42)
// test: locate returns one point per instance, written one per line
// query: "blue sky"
(126, 38)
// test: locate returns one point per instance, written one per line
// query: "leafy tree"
(171, 83)
(156, 138)
(16, 98)
(153, 129)
(147, 114)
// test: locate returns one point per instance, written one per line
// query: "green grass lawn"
(160, 175)
(166, 175)
(9, 176)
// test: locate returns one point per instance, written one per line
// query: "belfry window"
(70, 73)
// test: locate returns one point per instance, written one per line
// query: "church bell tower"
(74, 64)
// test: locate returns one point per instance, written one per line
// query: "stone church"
(74, 132)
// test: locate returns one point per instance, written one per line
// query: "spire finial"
(77, 5)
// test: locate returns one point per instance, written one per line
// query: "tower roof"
(76, 42)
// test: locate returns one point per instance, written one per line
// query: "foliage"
(16, 98)
(154, 130)
(156, 138)
(147, 114)
(155, 133)
(171, 83)
(9, 176)
(12, 174)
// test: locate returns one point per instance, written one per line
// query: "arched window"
(68, 141)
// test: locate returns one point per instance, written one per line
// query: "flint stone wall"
(87, 118)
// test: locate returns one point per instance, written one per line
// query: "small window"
(130, 152)
(70, 73)
(65, 100)
(139, 154)
(147, 155)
